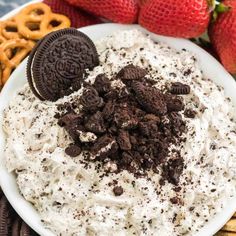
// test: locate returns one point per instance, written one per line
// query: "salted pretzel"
(2, 40)
(9, 29)
(37, 20)
(19, 48)
(1, 77)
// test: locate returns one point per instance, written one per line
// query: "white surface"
(210, 67)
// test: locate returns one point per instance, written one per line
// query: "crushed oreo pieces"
(179, 88)
(131, 72)
(91, 100)
(135, 126)
(175, 200)
(118, 190)
(73, 150)
(151, 99)
(102, 84)
(173, 169)
(190, 113)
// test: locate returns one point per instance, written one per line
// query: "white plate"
(211, 68)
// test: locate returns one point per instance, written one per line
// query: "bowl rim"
(14, 11)
(211, 69)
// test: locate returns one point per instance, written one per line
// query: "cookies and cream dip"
(78, 194)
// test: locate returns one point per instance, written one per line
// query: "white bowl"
(210, 67)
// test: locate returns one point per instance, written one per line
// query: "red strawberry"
(120, 11)
(178, 18)
(78, 18)
(223, 36)
(141, 2)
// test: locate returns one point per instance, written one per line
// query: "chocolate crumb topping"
(95, 123)
(101, 147)
(131, 128)
(179, 88)
(108, 110)
(191, 208)
(131, 72)
(174, 104)
(173, 169)
(69, 119)
(175, 200)
(189, 113)
(151, 99)
(102, 84)
(124, 140)
(118, 190)
(91, 100)
(73, 150)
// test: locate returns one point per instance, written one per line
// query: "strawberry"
(223, 36)
(78, 17)
(141, 2)
(120, 11)
(177, 18)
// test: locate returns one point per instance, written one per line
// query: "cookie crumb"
(118, 190)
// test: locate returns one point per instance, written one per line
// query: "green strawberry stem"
(218, 9)
(221, 8)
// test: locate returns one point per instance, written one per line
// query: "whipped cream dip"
(74, 197)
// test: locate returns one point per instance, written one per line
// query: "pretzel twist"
(21, 48)
(36, 21)
(9, 30)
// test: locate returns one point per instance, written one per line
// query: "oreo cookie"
(25, 230)
(1, 193)
(5, 216)
(57, 63)
(179, 88)
(151, 99)
(131, 72)
(16, 227)
(20, 228)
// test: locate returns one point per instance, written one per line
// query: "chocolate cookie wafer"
(25, 230)
(1, 193)
(5, 217)
(16, 227)
(57, 63)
